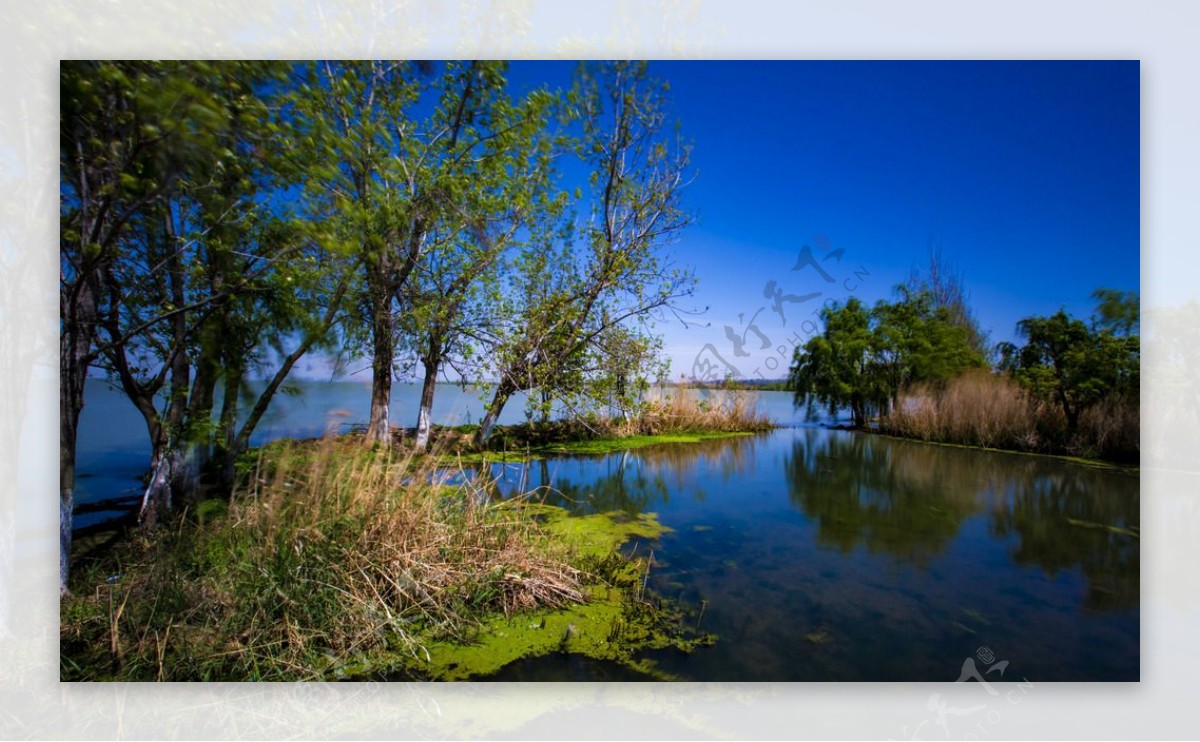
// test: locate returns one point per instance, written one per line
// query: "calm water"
(818, 554)
(831, 555)
(114, 448)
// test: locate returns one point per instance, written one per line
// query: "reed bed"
(685, 409)
(983, 409)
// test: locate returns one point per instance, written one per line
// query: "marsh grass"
(983, 409)
(685, 409)
(670, 415)
(328, 552)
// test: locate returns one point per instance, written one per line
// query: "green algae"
(611, 445)
(818, 637)
(1080, 460)
(617, 621)
(595, 447)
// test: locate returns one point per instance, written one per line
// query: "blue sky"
(1026, 174)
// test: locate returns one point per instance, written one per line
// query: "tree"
(490, 199)
(1077, 365)
(837, 367)
(210, 278)
(1118, 311)
(944, 285)
(565, 298)
(864, 358)
(919, 340)
(366, 179)
(123, 142)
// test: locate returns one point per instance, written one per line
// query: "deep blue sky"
(1026, 173)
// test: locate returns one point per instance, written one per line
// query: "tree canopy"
(220, 220)
(864, 357)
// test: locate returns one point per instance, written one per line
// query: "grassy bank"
(337, 561)
(985, 410)
(671, 415)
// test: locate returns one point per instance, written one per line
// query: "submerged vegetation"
(334, 560)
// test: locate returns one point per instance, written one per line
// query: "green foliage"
(1076, 364)
(864, 358)
(574, 319)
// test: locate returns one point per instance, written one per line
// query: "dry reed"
(983, 409)
(330, 551)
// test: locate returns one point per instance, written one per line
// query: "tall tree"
(210, 277)
(836, 368)
(493, 188)
(122, 144)
(366, 181)
(619, 276)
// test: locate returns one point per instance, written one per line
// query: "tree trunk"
(75, 346)
(157, 500)
(857, 414)
(199, 449)
(70, 405)
(504, 390)
(383, 347)
(425, 410)
(226, 444)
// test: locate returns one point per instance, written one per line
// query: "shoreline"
(110, 625)
(1066, 458)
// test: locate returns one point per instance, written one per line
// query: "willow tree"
(211, 275)
(837, 368)
(568, 297)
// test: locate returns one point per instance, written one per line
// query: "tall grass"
(684, 409)
(982, 409)
(328, 551)
(664, 411)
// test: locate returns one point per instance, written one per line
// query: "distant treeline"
(920, 366)
(762, 385)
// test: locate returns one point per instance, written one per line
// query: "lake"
(817, 554)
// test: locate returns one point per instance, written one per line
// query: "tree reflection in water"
(633, 482)
(910, 500)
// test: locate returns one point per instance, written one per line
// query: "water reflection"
(910, 500)
(635, 481)
(1070, 519)
(866, 490)
(830, 555)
